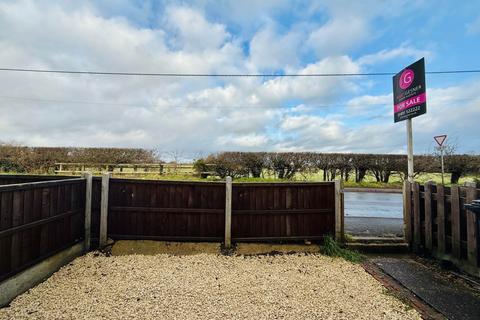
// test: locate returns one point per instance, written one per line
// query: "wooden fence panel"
(164, 210)
(282, 211)
(38, 220)
(441, 225)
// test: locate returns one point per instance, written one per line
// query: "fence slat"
(17, 219)
(472, 232)
(455, 210)
(428, 216)
(441, 219)
(416, 216)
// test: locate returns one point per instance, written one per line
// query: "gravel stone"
(209, 286)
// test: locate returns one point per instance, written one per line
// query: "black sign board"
(409, 96)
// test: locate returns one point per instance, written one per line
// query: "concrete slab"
(21, 282)
(452, 299)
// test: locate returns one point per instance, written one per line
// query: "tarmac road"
(373, 214)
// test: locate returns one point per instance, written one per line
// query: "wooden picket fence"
(437, 223)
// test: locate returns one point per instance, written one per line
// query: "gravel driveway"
(209, 286)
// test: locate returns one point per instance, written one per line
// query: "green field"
(395, 181)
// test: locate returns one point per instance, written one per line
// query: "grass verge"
(332, 249)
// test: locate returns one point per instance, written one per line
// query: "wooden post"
(104, 210)
(338, 211)
(428, 216)
(416, 217)
(441, 219)
(472, 232)
(407, 211)
(88, 209)
(228, 212)
(455, 210)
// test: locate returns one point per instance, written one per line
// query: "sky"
(194, 116)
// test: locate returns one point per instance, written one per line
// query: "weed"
(332, 249)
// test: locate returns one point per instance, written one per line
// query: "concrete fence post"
(228, 212)
(88, 209)
(338, 211)
(104, 210)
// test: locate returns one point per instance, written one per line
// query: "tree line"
(282, 165)
(24, 159)
(347, 166)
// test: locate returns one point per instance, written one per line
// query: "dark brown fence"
(23, 178)
(282, 211)
(162, 210)
(195, 211)
(147, 209)
(438, 224)
(37, 220)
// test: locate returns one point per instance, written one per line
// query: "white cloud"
(194, 32)
(193, 114)
(453, 111)
(339, 35)
(386, 55)
(250, 141)
(271, 51)
(369, 100)
(317, 90)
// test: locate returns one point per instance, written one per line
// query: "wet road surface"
(373, 214)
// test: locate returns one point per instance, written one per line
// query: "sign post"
(409, 101)
(440, 140)
(410, 149)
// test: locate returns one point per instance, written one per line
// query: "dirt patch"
(149, 247)
(208, 286)
(265, 248)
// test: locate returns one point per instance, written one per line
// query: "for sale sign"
(409, 96)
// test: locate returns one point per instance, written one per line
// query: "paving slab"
(452, 299)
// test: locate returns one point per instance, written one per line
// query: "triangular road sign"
(440, 139)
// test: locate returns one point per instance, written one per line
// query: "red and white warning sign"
(440, 139)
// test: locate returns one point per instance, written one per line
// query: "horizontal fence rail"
(23, 178)
(438, 224)
(37, 220)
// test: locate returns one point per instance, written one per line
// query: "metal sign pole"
(410, 149)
